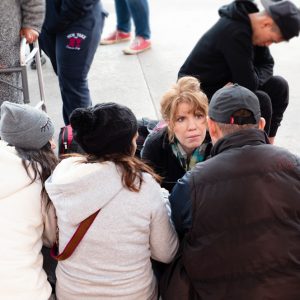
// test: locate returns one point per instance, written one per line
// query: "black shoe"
(33, 63)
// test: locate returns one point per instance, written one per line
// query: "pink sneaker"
(138, 45)
(116, 37)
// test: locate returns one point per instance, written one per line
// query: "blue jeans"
(139, 11)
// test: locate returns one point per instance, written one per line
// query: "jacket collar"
(251, 137)
(165, 138)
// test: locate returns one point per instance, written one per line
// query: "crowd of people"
(208, 210)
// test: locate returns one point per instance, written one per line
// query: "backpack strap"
(70, 135)
(75, 239)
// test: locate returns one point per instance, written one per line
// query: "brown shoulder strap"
(75, 239)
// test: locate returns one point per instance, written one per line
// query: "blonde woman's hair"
(186, 90)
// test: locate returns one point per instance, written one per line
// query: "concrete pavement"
(139, 81)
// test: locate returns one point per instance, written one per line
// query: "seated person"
(113, 259)
(236, 49)
(177, 147)
(27, 215)
(238, 211)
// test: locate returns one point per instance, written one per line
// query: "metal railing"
(22, 69)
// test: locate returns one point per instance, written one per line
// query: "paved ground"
(139, 81)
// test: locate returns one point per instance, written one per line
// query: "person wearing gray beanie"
(132, 225)
(27, 215)
(24, 126)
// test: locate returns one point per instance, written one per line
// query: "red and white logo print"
(74, 40)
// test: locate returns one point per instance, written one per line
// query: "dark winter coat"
(244, 243)
(62, 13)
(157, 152)
(225, 52)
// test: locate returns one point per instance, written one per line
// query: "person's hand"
(228, 84)
(31, 35)
(272, 140)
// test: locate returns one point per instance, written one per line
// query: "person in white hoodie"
(113, 259)
(27, 217)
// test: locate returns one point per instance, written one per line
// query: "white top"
(113, 259)
(22, 221)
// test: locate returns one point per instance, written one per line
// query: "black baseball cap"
(229, 99)
(286, 16)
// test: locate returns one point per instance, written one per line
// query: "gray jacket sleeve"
(33, 14)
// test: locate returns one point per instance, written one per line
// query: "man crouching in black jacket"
(236, 49)
(238, 212)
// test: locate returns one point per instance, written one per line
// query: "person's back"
(113, 259)
(21, 229)
(242, 206)
(250, 192)
(27, 220)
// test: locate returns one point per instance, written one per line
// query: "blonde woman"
(176, 148)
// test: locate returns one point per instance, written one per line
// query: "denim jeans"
(139, 11)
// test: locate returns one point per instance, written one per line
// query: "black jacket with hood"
(225, 53)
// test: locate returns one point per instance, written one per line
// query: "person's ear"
(133, 143)
(261, 123)
(210, 125)
(266, 22)
(52, 143)
(213, 129)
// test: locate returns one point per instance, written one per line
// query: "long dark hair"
(42, 162)
(131, 168)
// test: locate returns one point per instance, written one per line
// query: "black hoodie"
(225, 53)
(61, 13)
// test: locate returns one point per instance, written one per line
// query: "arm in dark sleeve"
(181, 205)
(152, 153)
(238, 53)
(263, 63)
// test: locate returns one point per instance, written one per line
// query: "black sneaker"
(33, 64)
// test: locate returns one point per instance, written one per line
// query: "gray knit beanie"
(25, 126)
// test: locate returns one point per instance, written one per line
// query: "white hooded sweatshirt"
(113, 259)
(24, 225)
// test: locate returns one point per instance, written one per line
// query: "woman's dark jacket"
(157, 152)
(244, 242)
